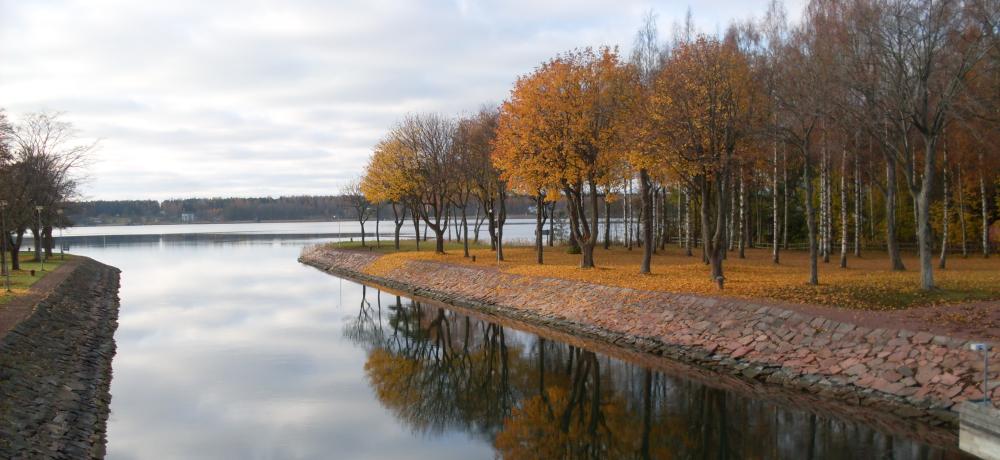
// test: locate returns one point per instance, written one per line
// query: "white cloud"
(235, 98)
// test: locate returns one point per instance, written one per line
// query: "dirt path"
(20, 307)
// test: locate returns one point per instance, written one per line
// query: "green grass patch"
(405, 245)
(21, 280)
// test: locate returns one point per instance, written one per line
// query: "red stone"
(948, 379)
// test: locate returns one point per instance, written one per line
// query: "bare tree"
(647, 57)
(431, 137)
(919, 54)
(45, 159)
(351, 192)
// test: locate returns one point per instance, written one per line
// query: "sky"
(198, 98)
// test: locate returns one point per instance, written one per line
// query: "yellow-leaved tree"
(563, 129)
(701, 110)
(389, 178)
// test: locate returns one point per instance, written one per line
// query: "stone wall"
(913, 375)
(55, 369)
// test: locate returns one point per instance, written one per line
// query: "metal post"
(985, 349)
(986, 378)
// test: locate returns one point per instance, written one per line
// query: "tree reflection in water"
(440, 371)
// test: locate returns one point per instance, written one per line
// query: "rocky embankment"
(915, 375)
(55, 369)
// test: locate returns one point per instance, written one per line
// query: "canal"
(229, 348)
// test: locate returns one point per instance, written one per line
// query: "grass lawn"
(409, 246)
(21, 280)
(867, 283)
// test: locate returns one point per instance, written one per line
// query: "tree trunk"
(822, 206)
(680, 219)
(811, 222)
(687, 222)
(491, 225)
(890, 216)
(843, 209)
(362, 233)
(961, 212)
(986, 218)
(743, 230)
(378, 218)
(665, 213)
(714, 245)
(587, 246)
(447, 222)
(943, 259)
(552, 223)
(47, 241)
(827, 206)
(925, 236)
(731, 219)
(857, 205)
(645, 190)
(628, 215)
(539, 225)
(775, 233)
(438, 239)
(784, 192)
(416, 226)
(15, 250)
(607, 223)
(478, 223)
(36, 241)
(398, 223)
(4, 250)
(465, 230)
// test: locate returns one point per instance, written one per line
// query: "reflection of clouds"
(235, 351)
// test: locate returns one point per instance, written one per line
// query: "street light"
(3, 245)
(39, 237)
(62, 247)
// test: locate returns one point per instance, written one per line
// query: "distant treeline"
(202, 210)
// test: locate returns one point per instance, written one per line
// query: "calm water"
(229, 348)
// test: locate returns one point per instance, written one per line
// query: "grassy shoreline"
(22, 280)
(867, 283)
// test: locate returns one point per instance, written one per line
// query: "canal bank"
(55, 364)
(917, 376)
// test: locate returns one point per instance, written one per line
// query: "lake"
(229, 348)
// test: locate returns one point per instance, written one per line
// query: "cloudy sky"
(267, 98)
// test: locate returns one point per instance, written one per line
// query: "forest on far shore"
(219, 210)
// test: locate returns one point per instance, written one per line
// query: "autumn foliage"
(862, 126)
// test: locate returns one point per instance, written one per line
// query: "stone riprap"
(55, 369)
(915, 375)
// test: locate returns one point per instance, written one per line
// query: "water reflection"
(439, 371)
(229, 348)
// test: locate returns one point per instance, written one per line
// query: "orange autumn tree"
(528, 149)
(701, 112)
(389, 178)
(562, 129)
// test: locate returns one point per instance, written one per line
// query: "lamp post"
(62, 252)
(38, 236)
(3, 244)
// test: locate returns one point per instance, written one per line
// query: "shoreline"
(915, 376)
(55, 367)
